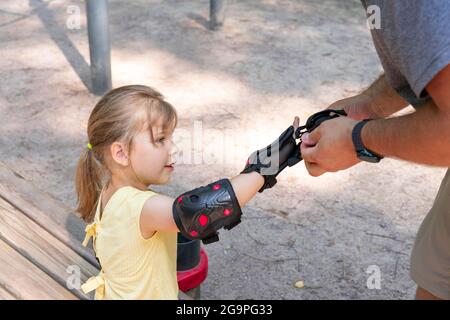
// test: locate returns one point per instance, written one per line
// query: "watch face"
(364, 155)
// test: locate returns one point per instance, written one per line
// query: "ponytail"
(88, 183)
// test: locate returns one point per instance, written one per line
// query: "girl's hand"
(296, 123)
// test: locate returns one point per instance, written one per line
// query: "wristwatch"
(361, 151)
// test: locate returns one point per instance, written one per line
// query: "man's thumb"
(311, 138)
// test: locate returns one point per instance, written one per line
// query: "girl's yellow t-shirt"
(132, 267)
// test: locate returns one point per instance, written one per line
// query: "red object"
(203, 220)
(180, 199)
(216, 187)
(226, 212)
(194, 233)
(192, 278)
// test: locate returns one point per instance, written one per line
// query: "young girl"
(134, 229)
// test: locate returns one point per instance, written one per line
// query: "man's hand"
(329, 147)
(358, 107)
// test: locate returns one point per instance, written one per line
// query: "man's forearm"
(383, 98)
(421, 137)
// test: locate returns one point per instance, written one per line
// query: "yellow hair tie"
(89, 146)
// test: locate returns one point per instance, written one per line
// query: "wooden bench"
(39, 239)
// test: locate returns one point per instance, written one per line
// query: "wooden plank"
(46, 211)
(6, 294)
(42, 249)
(28, 281)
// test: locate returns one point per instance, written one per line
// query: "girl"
(134, 229)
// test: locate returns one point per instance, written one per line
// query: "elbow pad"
(201, 212)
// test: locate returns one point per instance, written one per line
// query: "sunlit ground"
(235, 91)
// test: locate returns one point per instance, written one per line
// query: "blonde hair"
(118, 116)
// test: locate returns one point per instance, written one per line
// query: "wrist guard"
(201, 212)
(271, 160)
(316, 119)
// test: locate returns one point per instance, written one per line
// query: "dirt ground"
(242, 85)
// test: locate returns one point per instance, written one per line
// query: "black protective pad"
(271, 160)
(201, 212)
(317, 118)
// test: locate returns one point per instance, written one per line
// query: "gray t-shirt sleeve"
(413, 43)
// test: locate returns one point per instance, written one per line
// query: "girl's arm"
(246, 186)
(158, 211)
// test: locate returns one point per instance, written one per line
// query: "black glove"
(271, 160)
